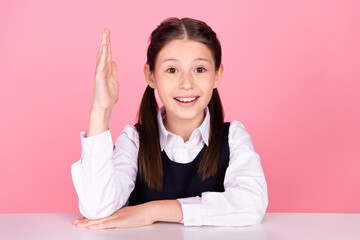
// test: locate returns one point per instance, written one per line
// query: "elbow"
(89, 213)
(93, 205)
(259, 211)
(254, 215)
(260, 204)
(92, 213)
(257, 219)
(249, 219)
(243, 219)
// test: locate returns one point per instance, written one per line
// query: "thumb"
(114, 68)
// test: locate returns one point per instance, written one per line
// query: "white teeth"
(186, 99)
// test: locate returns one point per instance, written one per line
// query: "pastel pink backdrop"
(291, 76)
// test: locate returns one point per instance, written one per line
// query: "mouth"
(186, 99)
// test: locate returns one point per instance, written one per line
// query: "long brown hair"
(150, 168)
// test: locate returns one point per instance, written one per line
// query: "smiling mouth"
(186, 100)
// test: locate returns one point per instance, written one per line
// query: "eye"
(203, 69)
(172, 70)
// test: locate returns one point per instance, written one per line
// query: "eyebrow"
(197, 59)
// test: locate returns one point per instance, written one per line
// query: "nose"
(186, 81)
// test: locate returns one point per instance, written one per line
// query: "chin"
(188, 114)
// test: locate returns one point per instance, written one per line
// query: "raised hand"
(106, 92)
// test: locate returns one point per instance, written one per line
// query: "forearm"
(165, 210)
(98, 121)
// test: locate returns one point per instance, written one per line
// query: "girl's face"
(184, 77)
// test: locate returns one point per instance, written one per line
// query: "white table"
(292, 226)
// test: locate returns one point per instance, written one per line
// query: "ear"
(218, 76)
(149, 76)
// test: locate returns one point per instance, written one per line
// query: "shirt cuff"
(95, 145)
(191, 210)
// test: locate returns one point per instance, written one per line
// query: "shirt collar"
(204, 128)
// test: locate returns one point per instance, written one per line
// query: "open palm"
(106, 92)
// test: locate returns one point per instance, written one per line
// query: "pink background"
(291, 76)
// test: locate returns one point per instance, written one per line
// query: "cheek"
(207, 91)
(207, 86)
(164, 92)
(166, 85)
(161, 98)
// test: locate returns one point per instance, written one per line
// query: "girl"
(179, 163)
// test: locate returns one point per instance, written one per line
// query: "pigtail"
(150, 167)
(210, 159)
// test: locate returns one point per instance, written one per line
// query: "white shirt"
(105, 175)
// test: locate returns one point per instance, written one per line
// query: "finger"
(83, 220)
(79, 220)
(112, 223)
(88, 222)
(114, 68)
(103, 41)
(109, 49)
(100, 65)
(103, 54)
(109, 56)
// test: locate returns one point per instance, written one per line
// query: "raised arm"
(105, 174)
(106, 90)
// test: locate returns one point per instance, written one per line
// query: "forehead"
(183, 50)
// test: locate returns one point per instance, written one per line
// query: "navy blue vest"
(182, 180)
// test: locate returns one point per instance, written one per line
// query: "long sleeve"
(105, 175)
(245, 198)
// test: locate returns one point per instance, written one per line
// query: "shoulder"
(128, 135)
(239, 138)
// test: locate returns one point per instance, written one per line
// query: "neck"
(182, 127)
